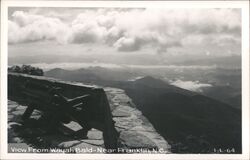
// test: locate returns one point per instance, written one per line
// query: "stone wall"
(135, 131)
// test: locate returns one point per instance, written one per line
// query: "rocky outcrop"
(124, 128)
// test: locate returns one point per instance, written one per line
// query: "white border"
(244, 5)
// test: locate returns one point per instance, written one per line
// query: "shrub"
(26, 69)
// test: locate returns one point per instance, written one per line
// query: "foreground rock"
(135, 131)
(118, 124)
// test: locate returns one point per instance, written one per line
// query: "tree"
(26, 69)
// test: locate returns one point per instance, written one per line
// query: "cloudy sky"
(124, 31)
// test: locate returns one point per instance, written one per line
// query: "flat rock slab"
(120, 113)
(18, 112)
(73, 125)
(94, 142)
(132, 139)
(20, 107)
(68, 144)
(95, 134)
(10, 117)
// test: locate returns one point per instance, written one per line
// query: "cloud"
(128, 44)
(129, 30)
(13, 32)
(195, 86)
(27, 28)
(86, 33)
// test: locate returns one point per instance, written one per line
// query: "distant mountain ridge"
(231, 61)
(91, 74)
(157, 83)
(226, 62)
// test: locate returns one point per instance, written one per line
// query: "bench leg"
(27, 113)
